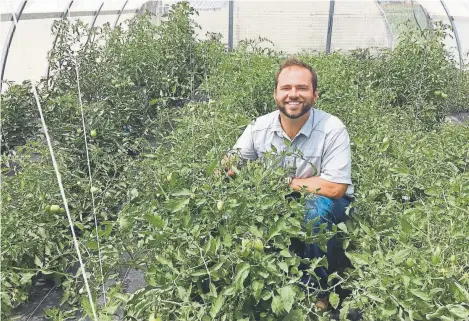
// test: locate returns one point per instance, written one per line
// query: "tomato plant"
(220, 246)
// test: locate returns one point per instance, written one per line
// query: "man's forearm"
(326, 188)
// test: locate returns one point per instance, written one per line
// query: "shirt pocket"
(310, 164)
(266, 147)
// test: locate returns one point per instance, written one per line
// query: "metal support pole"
(458, 44)
(230, 26)
(329, 26)
(388, 25)
(15, 18)
(96, 15)
(425, 12)
(120, 12)
(64, 15)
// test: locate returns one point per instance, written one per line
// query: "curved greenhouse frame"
(26, 37)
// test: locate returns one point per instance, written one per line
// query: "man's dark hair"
(290, 62)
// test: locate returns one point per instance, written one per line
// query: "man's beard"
(304, 109)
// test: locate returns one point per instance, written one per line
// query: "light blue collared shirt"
(323, 144)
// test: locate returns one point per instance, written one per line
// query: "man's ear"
(316, 95)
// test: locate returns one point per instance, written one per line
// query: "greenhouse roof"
(326, 26)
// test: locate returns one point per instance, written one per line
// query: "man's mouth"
(293, 103)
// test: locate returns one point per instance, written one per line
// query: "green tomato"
(54, 208)
(47, 208)
(62, 210)
(410, 262)
(437, 92)
(453, 259)
(153, 318)
(258, 245)
(444, 96)
(124, 223)
(220, 205)
(93, 133)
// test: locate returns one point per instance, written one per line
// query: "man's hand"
(227, 164)
(228, 171)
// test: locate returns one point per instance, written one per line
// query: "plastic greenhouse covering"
(26, 36)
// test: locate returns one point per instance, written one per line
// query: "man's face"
(294, 93)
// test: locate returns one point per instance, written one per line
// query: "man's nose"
(293, 92)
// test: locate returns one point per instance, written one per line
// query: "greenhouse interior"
(118, 201)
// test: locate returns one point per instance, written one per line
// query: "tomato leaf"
(177, 205)
(463, 291)
(217, 305)
(295, 315)
(288, 297)
(155, 220)
(38, 262)
(458, 311)
(276, 228)
(277, 306)
(211, 168)
(183, 192)
(283, 266)
(257, 287)
(334, 299)
(184, 294)
(357, 259)
(242, 272)
(421, 295)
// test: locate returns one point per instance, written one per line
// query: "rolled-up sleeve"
(244, 146)
(337, 159)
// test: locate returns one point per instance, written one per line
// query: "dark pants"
(330, 211)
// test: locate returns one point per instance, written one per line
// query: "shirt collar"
(277, 126)
(306, 130)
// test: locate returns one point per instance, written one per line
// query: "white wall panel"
(358, 24)
(292, 26)
(27, 58)
(9, 6)
(4, 30)
(46, 6)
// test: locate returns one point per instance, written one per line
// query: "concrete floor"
(44, 295)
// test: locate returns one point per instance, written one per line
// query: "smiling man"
(323, 163)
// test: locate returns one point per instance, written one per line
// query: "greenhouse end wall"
(289, 26)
